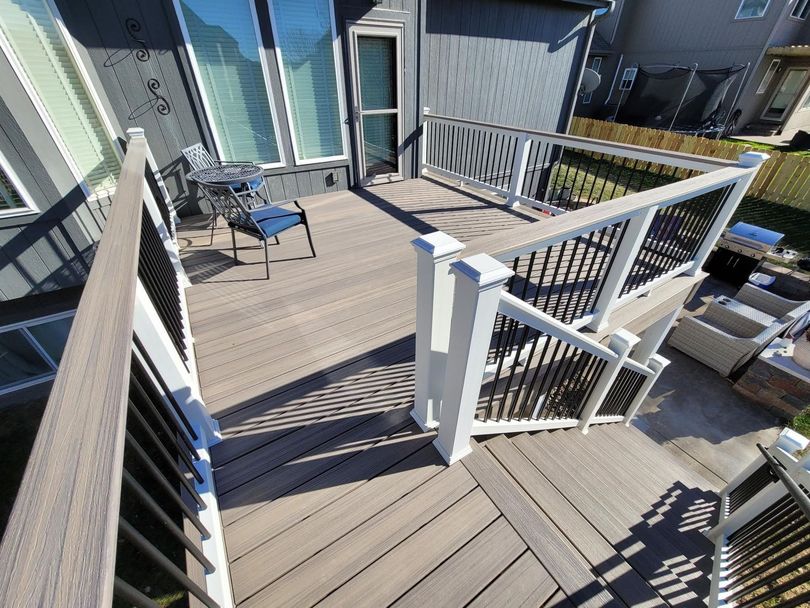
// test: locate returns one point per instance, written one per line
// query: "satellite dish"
(590, 80)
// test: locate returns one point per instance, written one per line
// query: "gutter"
(594, 19)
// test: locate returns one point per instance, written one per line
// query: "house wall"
(702, 31)
(51, 249)
(512, 62)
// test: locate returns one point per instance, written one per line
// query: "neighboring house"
(271, 82)
(769, 36)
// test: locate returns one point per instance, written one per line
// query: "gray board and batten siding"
(514, 62)
(52, 248)
(511, 62)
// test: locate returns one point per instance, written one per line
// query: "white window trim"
(339, 82)
(209, 115)
(631, 78)
(87, 83)
(24, 325)
(799, 3)
(767, 77)
(762, 16)
(31, 207)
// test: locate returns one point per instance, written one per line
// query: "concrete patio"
(694, 412)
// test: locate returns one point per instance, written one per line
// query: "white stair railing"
(762, 539)
(505, 367)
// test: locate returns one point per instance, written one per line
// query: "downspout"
(594, 19)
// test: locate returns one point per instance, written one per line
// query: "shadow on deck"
(331, 495)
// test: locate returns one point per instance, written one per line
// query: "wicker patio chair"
(770, 303)
(722, 339)
(262, 223)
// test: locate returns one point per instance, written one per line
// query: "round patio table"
(234, 175)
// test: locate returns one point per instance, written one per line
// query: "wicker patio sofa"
(722, 339)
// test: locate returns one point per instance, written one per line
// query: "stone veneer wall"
(783, 394)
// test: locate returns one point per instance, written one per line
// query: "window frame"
(23, 326)
(87, 83)
(767, 77)
(209, 115)
(31, 208)
(596, 64)
(805, 4)
(339, 83)
(632, 79)
(762, 16)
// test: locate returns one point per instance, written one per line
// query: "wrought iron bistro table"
(245, 179)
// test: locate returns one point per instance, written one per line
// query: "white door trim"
(789, 107)
(381, 29)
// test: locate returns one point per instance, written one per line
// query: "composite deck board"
(524, 584)
(331, 495)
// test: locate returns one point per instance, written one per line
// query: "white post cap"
(752, 159)
(438, 244)
(483, 269)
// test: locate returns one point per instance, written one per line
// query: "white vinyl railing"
(550, 171)
(762, 539)
(507, 317)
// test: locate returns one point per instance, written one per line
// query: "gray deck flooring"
(330, 495)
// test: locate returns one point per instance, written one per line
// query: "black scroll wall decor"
(142, 54)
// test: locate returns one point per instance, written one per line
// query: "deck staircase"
(614, 503)
(341, 500)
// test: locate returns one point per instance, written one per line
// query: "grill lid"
(755, 233)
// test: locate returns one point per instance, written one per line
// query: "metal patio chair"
(261, 223)
(198, 158)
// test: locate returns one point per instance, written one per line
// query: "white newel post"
(479, 279)
(424, 141)
(654, 337)
(623, 259)
(434, 307)
(621, 343)
(522, 147)
(656, 363)
(752, 160)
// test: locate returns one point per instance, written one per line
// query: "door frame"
(381, 29)
(788, 108)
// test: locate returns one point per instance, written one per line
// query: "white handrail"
(527, 314)
(638, 367)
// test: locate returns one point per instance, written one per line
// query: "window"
(801, 9)
(14, 198)
(806, 103)
(769, 74)
(750, 9)
(596, 64)
(227, 55)
(33, 43)
(30, 352)
(628, 78)
(305, 45)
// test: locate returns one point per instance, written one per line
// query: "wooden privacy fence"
(784, 178)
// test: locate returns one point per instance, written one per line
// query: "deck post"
(479, 279)
(621, 343)
(624, 257)
(656, 363)
(423, 141)
(654, 336)
(752, 160)
(523, 146)
(434, 306)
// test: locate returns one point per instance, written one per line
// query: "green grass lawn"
(755, 145)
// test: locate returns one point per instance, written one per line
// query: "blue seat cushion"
(273, 220)
(251, 185)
